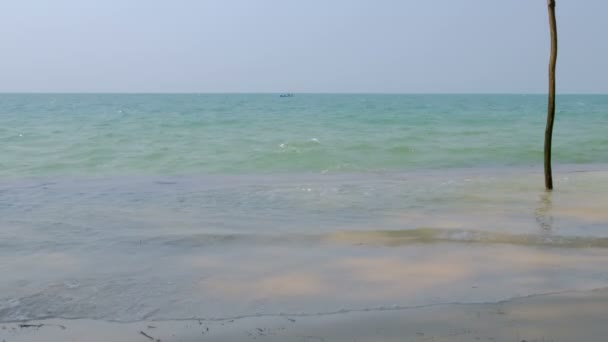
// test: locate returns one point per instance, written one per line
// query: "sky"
(312, 46)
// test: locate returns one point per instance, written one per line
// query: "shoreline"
(565, 316)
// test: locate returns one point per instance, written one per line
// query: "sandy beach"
(570, 316)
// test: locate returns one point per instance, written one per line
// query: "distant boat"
(286, 95)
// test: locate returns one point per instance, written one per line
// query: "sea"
(130, 207)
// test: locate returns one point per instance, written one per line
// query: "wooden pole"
(551, 105)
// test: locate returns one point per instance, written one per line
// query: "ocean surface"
(47, 135)
(133, 207)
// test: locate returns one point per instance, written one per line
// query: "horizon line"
(302, 93)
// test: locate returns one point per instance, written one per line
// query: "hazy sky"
(402, 46)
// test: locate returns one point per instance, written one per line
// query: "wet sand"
(568, 316)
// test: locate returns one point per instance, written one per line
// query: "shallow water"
(227, 246)
(134, 207)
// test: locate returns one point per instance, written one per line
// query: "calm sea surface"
(44, 135)
(132, 207)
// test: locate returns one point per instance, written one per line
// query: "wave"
(384, 238)
(396, 238)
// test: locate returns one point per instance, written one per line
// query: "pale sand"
(572, 316)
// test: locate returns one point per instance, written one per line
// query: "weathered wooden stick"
(551, 104)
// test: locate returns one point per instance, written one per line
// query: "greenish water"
(144, 207)
(252, 134)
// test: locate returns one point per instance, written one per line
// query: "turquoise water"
(144, 207)
(252, 134)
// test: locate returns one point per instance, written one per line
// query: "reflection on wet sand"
(383, 277)
(283, 285)
(416, 273)
(512, 205)
(543, 214)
